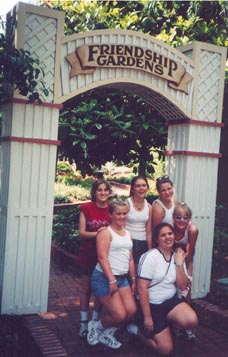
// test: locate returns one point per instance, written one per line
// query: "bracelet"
(112, 282)
(178, 265)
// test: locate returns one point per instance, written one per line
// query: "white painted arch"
(29, 140)
(140, 82)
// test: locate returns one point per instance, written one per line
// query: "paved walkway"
(56, 332)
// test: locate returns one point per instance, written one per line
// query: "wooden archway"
(30, 131)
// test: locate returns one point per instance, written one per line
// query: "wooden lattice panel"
(40, 41)
(208, 86)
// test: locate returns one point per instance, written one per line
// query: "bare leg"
(161, 342)
(183, 316)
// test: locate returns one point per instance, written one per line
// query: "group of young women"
(139, 280)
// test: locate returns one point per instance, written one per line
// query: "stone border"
(211, 315)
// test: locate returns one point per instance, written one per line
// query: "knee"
(131, 312)
(193, 320)
(165, 349)
(120, 317)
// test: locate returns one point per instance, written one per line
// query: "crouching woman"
(110, 278)
(161, 271)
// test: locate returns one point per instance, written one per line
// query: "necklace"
(138, 207)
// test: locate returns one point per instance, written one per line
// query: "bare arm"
(83, 233)
(149, 229)
(103, 245)
(192, 238)
(132, 272)
(142, 286)
(158, 214)
(181, 277)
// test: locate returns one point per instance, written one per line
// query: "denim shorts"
(100, 284)
(159, 314)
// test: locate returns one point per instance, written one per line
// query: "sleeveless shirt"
(119, 253)
(183, 241)
(168, 211)
(136, 220)
(96, 217)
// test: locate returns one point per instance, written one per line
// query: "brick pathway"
(56, 332)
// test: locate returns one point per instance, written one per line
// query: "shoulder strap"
(150, 286)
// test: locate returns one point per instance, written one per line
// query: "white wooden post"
(28, 156)
(193, 154)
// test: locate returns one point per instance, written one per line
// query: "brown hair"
(157, 229)
(161, 180)
(133, 181)
(95, 186)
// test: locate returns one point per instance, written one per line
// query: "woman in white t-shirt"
(160, 272)
(110, 278)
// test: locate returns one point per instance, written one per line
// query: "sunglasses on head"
(166, 177)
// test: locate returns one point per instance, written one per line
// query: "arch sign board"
(184, 84)
(86, 58)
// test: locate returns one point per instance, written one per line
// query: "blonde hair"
(117, 203)
(182, 206)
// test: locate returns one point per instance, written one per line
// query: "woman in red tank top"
(93, 215)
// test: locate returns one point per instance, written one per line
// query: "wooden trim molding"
(30, 140)
(43, 104)
(195, 122)
(192, 153)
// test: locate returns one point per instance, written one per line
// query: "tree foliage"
(103, 125)
(19, 70)
(174, 22)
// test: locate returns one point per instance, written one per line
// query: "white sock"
(84, 315)
(132, 328)
(95, 315)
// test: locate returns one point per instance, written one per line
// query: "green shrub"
(65, 229)
(122, 179)
(220, 248)
(151, 197)
(67, 194)
(79, 181)
(63, 167)
(62, 194)
(221, 230)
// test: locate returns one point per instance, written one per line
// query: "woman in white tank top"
(138, 221)
(186, 234)
(163, 207)
(111, 276)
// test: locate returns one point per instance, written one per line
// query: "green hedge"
(65, 229)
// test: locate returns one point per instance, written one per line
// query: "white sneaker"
(83, 329)
(132, 328)
(93, 333)
(107, 339)
(190, 335)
